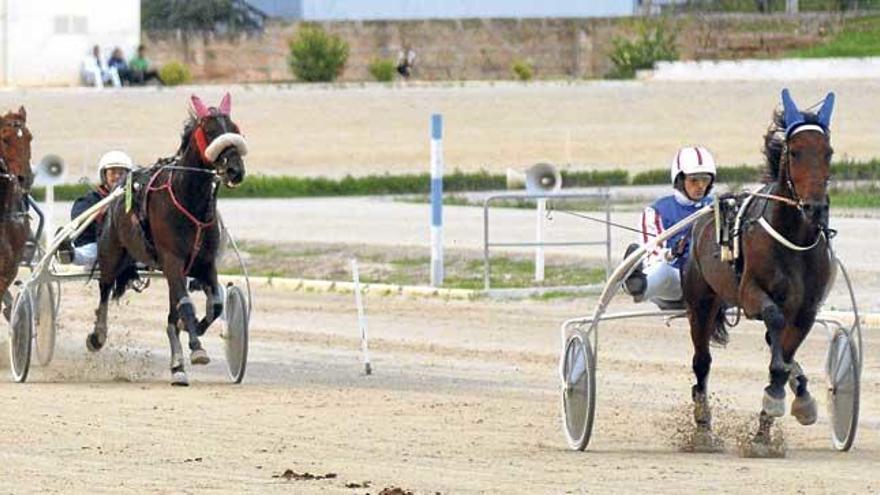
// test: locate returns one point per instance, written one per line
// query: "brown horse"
(15, 181)
(173, 226)
(785, 267)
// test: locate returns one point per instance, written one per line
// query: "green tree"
(200, 15)
(316, 56)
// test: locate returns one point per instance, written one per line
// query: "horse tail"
(719, 332)
(123, 278)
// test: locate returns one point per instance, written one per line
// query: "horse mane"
(774, 143)
(189, 125)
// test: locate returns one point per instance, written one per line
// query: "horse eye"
(795, 154)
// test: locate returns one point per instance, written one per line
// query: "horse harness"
(731, 221)
(20, 213)
(156, 185)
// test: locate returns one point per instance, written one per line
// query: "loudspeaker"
(540, 178)
(50, 171)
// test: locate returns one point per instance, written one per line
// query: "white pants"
(664, 282)
(86, 254)
(97, 78)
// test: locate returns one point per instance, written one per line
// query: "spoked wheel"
(235, 335)
(578, 390)
(21, 330)
(842, 368)
(45, 313)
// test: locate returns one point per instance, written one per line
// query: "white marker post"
(436, 200)
(362, 319)
(541, 208)
(49, 206)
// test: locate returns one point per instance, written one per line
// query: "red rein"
(200, 225)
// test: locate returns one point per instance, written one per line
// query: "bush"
(174, 73)
(653, 44)
(523, 70)
(382, 69)
(316, 56)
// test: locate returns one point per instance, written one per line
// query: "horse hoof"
(805, 410)
(773, 407)
(199, 356)
(179, 379)
(92, 343)
(763, 447)
(706, 441)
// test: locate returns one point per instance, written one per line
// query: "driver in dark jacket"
(112, 169)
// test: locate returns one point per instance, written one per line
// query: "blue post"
(436, 200)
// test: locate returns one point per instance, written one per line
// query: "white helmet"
(114, 159)
(692, 160)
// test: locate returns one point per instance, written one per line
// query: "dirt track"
(463, 399)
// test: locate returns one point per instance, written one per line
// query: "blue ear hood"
(824, 115)
(791, 115)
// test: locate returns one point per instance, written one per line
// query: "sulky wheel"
(21, 330)
(45, 313)
(235, 335)
(578, 390)
(842, 368)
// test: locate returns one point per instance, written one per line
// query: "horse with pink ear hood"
(230, 137)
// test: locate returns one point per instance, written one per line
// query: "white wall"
(43, 42)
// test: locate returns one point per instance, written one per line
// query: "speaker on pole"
(540, 178)
(50, 171)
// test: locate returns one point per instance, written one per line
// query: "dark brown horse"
(173, 226)
(785, 267)
(15, 181)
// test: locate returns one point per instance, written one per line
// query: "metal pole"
(541, 207)
(607, 233)
(486, 244)
(362, 319)
(436, 200)
(50, 213)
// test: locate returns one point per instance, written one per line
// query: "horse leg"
(213, 301)
(95, 340)
(187, 316)
(803, 407)
(178, 372)
(7, 305)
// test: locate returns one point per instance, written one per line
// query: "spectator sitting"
(139, 68)
(117, 61)
(96, 73)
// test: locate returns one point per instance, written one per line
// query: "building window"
(80, 24)
(62, 24)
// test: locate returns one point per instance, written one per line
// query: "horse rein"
(200, 225)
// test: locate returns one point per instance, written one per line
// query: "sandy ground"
(328, 130)
(463, 399)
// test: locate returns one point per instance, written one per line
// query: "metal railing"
(604, 197)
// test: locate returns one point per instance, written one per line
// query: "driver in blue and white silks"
(658, 277)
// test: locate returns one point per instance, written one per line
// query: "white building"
(43, 42)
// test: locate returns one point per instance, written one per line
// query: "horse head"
(218, 140)
(15, 141)
(806, 159)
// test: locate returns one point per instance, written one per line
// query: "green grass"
(263, 186)
(864, 197)
(860, 37)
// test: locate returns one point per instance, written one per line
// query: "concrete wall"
(486, 48)
(43, 42)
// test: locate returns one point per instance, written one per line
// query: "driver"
(112, 170)
(658, 277)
